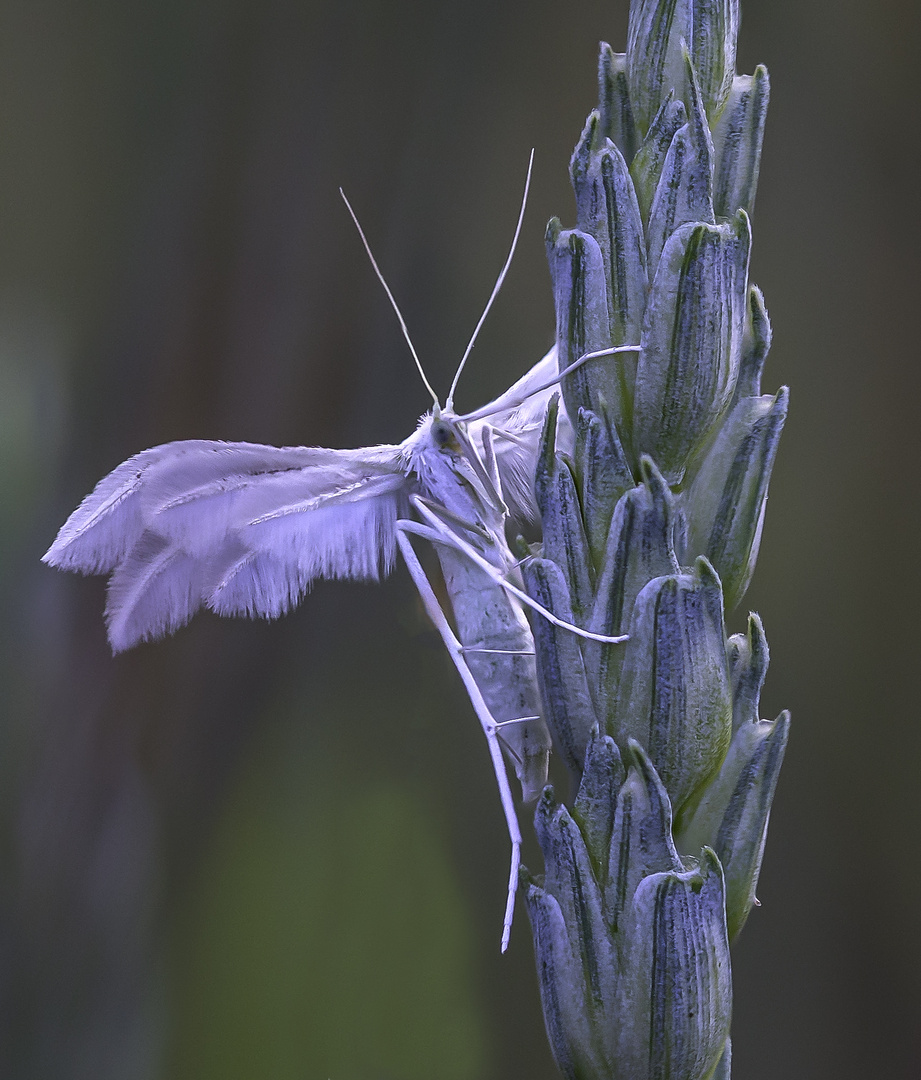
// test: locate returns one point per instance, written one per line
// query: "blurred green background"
(262, 850)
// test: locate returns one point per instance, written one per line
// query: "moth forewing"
(241, 528)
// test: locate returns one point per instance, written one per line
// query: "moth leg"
(444, 535)
(487, 721)
(503, 724)
(455, 519)
(500, 652)
(513, 403)
(488, 435)
(510, 436)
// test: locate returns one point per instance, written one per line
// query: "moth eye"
(442, 435)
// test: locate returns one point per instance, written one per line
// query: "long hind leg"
(438, 532)
(487, 721)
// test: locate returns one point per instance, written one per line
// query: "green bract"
(732, 816)
(633, 956)
(651, 528)
(659, 34)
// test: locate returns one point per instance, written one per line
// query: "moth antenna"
(513, 403)
(449, 404)
(390, 297)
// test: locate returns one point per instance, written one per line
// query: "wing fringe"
(241, 528)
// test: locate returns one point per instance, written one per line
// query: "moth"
(245, 529)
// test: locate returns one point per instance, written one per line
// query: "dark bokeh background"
(276, 850)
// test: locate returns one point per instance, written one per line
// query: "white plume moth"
(244, 529)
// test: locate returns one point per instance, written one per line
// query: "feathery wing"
(516, 418)
(240, 527)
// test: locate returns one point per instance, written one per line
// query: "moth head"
(444, 435)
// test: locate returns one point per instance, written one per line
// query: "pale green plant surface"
(651, 527)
